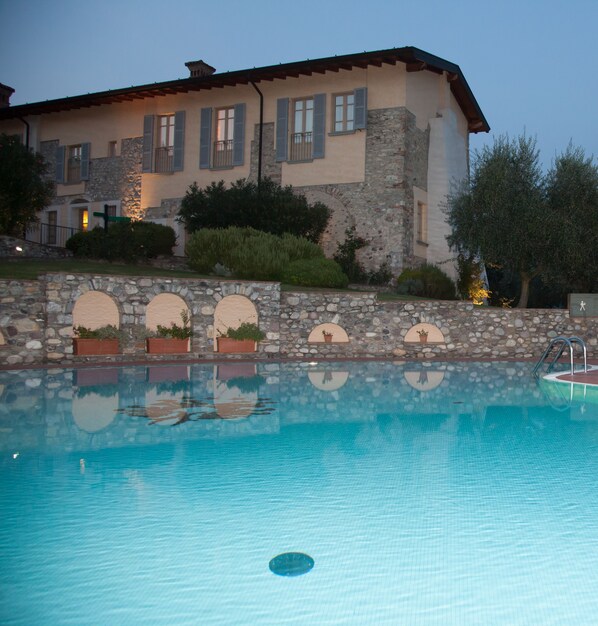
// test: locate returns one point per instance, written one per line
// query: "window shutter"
(205, 138)
(85, 150)
(179, 141)
(239, 135)
(60, 156)
(361, 108)
(148, 143)
(319, 125)
(282, 128)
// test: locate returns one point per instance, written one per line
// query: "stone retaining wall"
(36, 321)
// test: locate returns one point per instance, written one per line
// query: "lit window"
(344, 112)
(83, 219)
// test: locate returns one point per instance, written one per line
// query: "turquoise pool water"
(426, 494)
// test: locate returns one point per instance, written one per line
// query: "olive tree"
(499, 213)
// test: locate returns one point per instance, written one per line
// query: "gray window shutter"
(85, 150)
(148, 143)
(205, 138)
(179, 141)
(361, 108)
(239, 135)
(60, 157)
(282, 128)
(319, 126)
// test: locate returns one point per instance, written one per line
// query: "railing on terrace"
(50, 234)
(301, 146)
(164, 159)
(223, 153)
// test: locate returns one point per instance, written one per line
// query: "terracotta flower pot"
(423, 338)
(328, 338)
(226, 345)
(90, 347)
(166, 345)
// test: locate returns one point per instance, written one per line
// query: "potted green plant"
(423, 335)
(327, 336)
(102, 340)
(173, 339)
(241, 339)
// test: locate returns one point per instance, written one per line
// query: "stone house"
(379, 137)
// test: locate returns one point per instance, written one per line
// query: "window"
(422, 223)
(344, 112)
(73, 166)
(163, 143)
(300, 128)
(112, 148)
(303, 127)
(225, 134)
(165, 147)
(222, 137)
(72, 163)
(52, 217)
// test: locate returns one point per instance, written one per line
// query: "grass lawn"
(31, 269)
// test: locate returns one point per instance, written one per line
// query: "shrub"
(246, 252)
(247, 330)
(127, 241)
(274, 209)
(103, 332)
(346, 256)
(428, 281)
(174, 331)
(319, 272)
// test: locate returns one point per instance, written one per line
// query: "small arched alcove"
(95, 309)
(165, 309)
(336, 333)
(424, 333)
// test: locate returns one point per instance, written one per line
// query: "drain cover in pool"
(291, 564)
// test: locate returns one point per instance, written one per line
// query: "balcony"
(164, 159)
(301, 147)
(223, 154)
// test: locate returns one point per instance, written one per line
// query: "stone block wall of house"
(37, 317)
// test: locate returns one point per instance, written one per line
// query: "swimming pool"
(424, 493)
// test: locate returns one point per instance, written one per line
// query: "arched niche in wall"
(231, 312)
(95, 309)
(339, 335)
(165, 309)
(433, 333)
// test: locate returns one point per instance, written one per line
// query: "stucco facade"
(382, 136)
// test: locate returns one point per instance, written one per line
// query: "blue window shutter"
(60, 156)
(282, 128)
(205, 138)
(361, 108)
(319, 126)
(179, 141)
(148, 143)
(85, 150)
(239, 135)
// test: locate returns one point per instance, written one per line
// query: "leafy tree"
(24, 188)
(500, 212)
(274, 209)
(572, 202)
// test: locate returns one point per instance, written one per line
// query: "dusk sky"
(531, 64)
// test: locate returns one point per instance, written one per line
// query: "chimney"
(199, 69)
(5, 94)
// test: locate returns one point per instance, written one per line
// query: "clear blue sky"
(530, 63)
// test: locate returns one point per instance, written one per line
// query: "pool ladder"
(562, 343)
